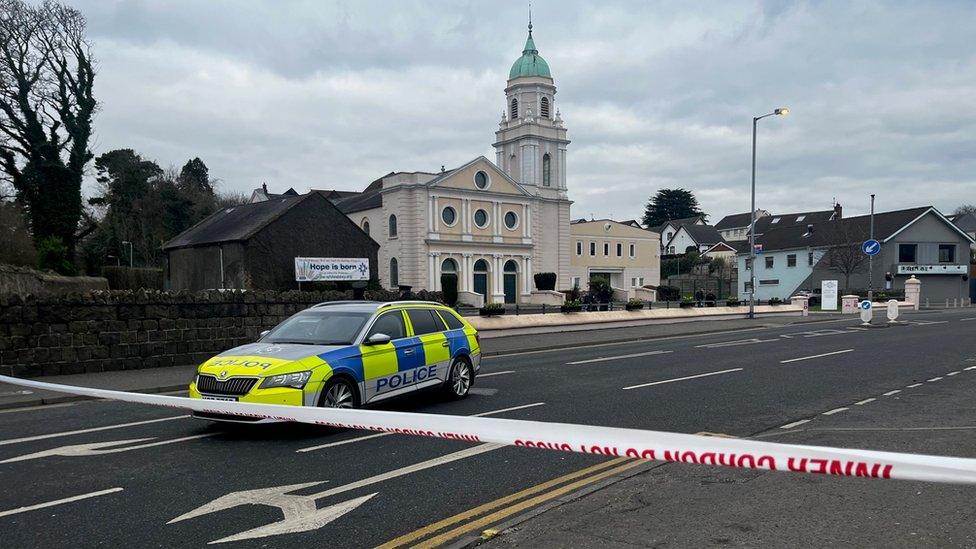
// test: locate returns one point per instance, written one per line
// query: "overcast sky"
(655, 95)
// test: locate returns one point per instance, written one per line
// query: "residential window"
(774, 221)
(620, 249)
(748, 263)
(810, 259)
(791, 260)
(769, 262)
(593, 248)
(670, 235)
(747, 287)
(770, 282)
(393, 226)
(947, 253)
(576, 281)
(633, 250)
(579, 247)
(606, 249)
(907, 253)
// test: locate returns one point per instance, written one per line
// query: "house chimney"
(264, 186)
(838, 211)
(810, 228)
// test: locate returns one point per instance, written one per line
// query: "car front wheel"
(339, 393)
(459, 379)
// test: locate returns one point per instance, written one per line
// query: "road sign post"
(867, 313)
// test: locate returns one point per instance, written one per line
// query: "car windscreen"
(319, 327)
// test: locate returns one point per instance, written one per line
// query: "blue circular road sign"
(871, 247)
(866, 305)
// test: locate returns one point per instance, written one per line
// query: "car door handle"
(408, 352)
(446, 344)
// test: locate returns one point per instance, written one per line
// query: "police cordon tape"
(584, 439)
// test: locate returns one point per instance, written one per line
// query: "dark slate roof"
(764, 224)
(702, 234)
(835, 232)
(676, 222)
(235, 223)
(734, 220)
(966, 222)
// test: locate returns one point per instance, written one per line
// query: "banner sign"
(828, 295)
(331, 269)
(932, 269)
(584, 439)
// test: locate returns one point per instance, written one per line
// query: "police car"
(346, 354)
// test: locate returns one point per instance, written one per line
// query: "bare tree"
(966, 209)
(844, 253)
(46, 109)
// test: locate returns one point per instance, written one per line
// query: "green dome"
(530, 64)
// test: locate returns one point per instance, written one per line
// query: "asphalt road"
(143, 476)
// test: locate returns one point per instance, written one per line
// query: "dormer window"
(774, 221)
(514, 113)
(544, 108)
(800, 218)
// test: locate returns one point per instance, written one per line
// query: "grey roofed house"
(797, 219)
(696, 219)
(253, 246)
(261, 194)
(735, 221)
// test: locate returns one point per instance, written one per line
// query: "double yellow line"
(551, 489)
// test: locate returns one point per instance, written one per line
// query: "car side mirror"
(262, 334)
(378, 339)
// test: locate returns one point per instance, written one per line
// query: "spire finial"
(530, 18)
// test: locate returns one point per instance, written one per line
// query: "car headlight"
(296, 380)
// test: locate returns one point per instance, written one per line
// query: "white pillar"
(435, 216)
(431, 267)
(525, 220)
(527, 269)
(466, 273)
(466, 216)
(430, 211)
(496, 209)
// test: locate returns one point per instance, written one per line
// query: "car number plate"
(226, 399)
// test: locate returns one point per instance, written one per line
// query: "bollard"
(543, 308)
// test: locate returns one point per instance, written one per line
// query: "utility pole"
(783, 111)
(871, 258)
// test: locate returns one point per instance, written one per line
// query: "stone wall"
(108, 331)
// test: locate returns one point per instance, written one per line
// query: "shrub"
(545, 281)
(775, 301)
(710, 296)
(574, 294)
(135, 278)
(492, 309)
(571, 307)
(449, 283)
(732, 302)
(634, 304)
(687, 301)
(668, 293)
(52, 255)
(600, 290)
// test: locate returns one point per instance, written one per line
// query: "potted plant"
(492, 309)
(775, 301)
(710, 299)
(687, 301)
(732, 302)
(634, 304)
(545, 281)
(571, 307)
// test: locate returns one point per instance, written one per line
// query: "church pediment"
(479, 175)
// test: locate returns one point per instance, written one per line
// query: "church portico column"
(527, 275)
(497, 287)
(466, 273)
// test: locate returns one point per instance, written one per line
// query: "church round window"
(481, 219)
(511, 220)
(449, 216)
(481, 180)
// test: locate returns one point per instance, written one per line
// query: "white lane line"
(58, 502)
(815, 356)
(934, 378)
(734, 343)
(618, 357)
(683, 378)
(967, 319)
(970, 368)
(913, 385)
(835, 411)
(92, 430)
(889, 393)
(98, 448)
(378, 435)
(489, 374)
(794, 424)
(865, 401)
(952, 373)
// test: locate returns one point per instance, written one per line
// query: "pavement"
(176, 378)
(108, 473)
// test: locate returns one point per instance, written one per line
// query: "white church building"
(494, 224)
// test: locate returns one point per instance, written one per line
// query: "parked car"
(346, 355)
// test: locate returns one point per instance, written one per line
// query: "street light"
(124, 243)
(782, 111)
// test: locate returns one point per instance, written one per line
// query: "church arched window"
(544, 107)
(393, 226)
(514, 108)
(546, 170)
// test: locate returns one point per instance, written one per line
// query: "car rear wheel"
(459, 379)
(339, 393)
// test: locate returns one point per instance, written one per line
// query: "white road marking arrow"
(99, 448)
(300, 512)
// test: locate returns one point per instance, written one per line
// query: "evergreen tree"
(669, 204)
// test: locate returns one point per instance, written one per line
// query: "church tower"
(530, 144)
